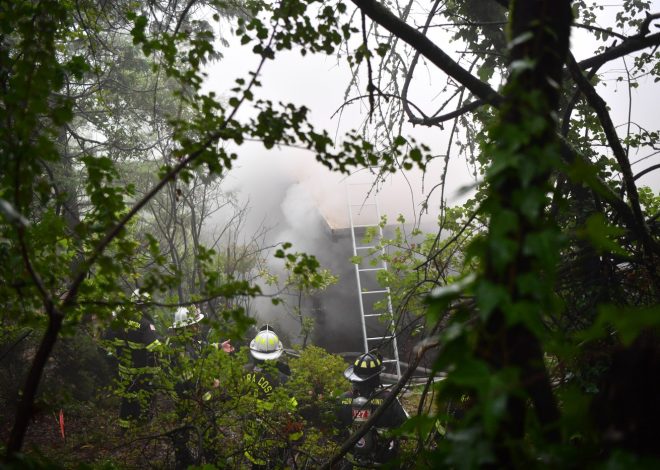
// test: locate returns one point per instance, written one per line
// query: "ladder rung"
(370, 269)
(374, 291)
(365, 247)
(390, 360)
(379, 337)
(373, 315)
(366, 226)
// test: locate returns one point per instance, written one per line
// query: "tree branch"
(628, 46)
(648, 170)
(644, 27)
(434, 121)
(607, 32)
(384, 17)
(598, 104)
(411, 69)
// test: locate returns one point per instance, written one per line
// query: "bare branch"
(644, 27)
(607, 32)
(384, 17)
(646, 171)
(633, 44)
(599, 105)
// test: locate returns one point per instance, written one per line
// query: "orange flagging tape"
(62, 424)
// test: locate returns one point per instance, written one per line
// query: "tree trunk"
(539, 35)
(26, 403)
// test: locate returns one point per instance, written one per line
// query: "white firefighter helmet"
(139, 296)
(266, 346)
(184, 317)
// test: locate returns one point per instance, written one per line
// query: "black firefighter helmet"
(365, 367)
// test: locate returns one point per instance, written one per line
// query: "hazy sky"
(319, 82)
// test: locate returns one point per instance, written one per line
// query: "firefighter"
(265, 374)
(187, 317)
(360, 403)
(186, 323)
(265, 371)
(186, 334)
(138, 341)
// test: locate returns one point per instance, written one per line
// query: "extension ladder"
(376, 333)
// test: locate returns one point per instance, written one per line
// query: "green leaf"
(12, 215)
(602, 235)
(452, 291)
(628, 323)
(490, 296)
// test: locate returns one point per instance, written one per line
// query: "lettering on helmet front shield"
(262, 382)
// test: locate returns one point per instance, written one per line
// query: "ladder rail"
(390, 308)
(357, 273)
(392, 326)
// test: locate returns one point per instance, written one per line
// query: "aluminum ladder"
(369, 204)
